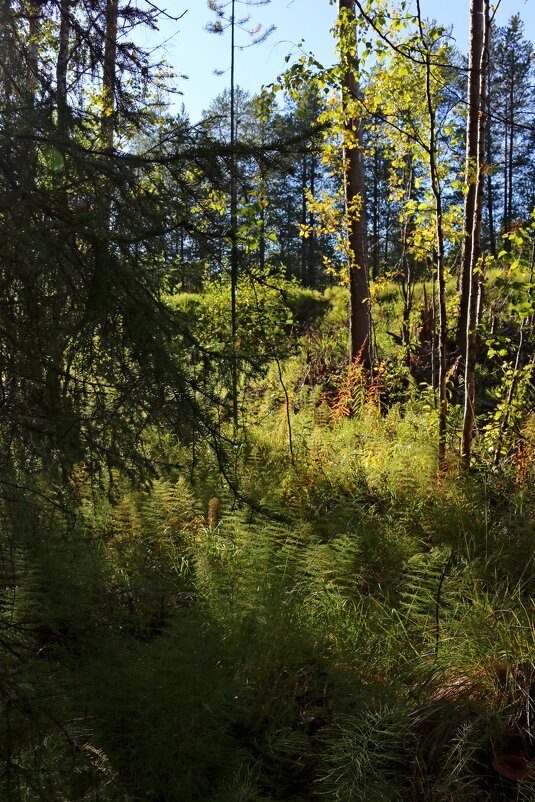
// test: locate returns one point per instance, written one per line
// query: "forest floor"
(361, 629)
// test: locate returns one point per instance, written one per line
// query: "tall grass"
(363, 631)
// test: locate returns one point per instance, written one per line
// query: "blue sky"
(194, 52)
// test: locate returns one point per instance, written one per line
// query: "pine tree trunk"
(233, 223)
(481, 34)
(311, 272)
(471, 166)
(355, 198)
(489, 160)
(506, 177)
(303, 217)
(511, 158)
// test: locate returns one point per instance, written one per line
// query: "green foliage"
(507, 329)
(266, 312)
(376, 645)
(295, 607)
(368, 755)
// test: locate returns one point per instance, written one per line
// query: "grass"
(368, 636)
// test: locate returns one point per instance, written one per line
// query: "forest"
(267, 497)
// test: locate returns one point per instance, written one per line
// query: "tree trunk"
(109, 75)
(311, 272)
(387, 236)
(61, 69)
(407, 283)
(303, 218)
(442, 324)
(262, 238)
(233, 222)
(510, 155)
(7, 41)
(479, 35)
(507, 243)
(355, 202)
(102, 273)
(375, 213)
(489, 160)
(440, 254)
(471, 165)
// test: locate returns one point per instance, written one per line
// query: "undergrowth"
(362, 629)
(378, 645)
